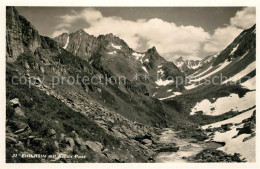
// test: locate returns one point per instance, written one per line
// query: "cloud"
(88, 14)
(221, 38)
(245, 18)
(168, 38)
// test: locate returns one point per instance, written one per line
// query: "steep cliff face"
(22, 37)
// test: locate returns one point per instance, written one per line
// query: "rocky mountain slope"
(116, 122)
(146, 72)
(112, 55)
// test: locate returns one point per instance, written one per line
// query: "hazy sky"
(192, 32)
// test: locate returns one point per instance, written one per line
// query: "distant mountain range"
(190, 66)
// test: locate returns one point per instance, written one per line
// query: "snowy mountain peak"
(188, 66)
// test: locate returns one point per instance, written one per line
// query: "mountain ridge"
(189, 66)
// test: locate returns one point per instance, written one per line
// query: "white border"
(117, 3)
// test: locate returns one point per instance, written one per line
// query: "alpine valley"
(143, 117)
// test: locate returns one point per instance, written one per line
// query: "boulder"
(226, 127)
(18, 112)
(62, 137)
(147, 142)
(244, 130)
(52, 133)
(70, 141)
(95, 146)
(15, 102)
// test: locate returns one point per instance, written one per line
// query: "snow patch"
(233, 50)
(146, 60)
(116, 46)
(236, 145)
(160, 71)
(144, 68)
(154, 94)
(171, 96)
(225, 104)
(138, 56)
(161, 82)
(169, 90)
(190, 86)
(111, 53)
(68, 40)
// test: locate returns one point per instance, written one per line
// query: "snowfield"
(236, 145)
(225, 104)
(242, 73)
(250, 84)
(236, 119)
(222, 66)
